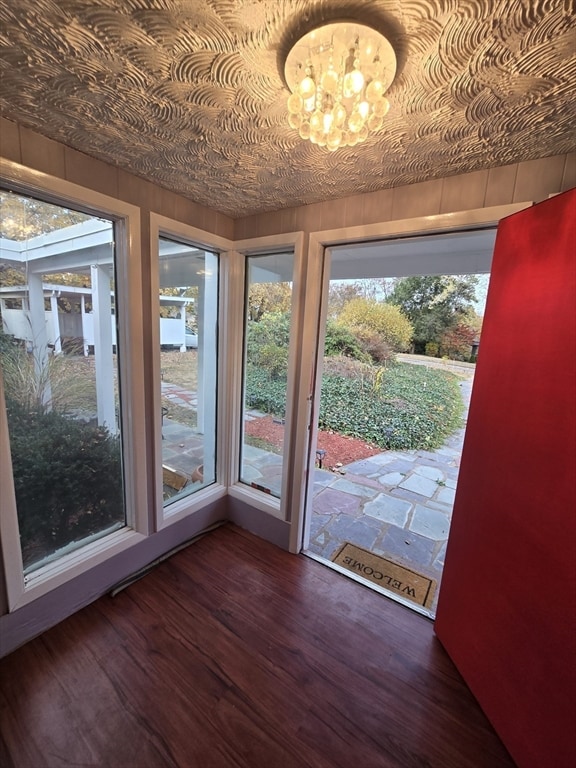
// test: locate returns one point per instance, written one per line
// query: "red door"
(507, 608)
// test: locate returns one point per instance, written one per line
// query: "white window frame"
(161, 226)
(294, 243)
(23, 590)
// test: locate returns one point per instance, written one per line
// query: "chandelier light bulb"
(381, 108)
(339, 101)
(294, 121)
(295, 104)
(356, 81)
(304, 130)
(355, 122)
(316, 120)
(339, 115)
(330, 81)
(307, 88)
(374, 91)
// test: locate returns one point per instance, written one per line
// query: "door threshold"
(427, 613)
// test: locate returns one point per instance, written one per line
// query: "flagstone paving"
(397, 503)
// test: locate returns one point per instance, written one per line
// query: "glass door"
(403, 320)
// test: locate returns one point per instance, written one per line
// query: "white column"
(103, 358)
(183, 327)
(207, 316)
(83, 319)
(55, 323)
(39, 337)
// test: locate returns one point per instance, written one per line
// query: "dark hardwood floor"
(235, 653)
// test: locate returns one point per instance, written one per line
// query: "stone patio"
(397, 503)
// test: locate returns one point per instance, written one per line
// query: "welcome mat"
(387, 574)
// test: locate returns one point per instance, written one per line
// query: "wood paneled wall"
(28, 148)
(533, 180)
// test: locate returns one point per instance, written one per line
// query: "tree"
(341, 292)
(23, 217)
(434, 304)
(368, 316)
(268, 297)
(456, 342)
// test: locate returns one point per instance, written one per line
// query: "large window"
(59, 360)
(266, 344)
(188, 307)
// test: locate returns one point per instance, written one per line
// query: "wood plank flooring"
(232, 654)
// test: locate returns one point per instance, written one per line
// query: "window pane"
(59, 362)
(188, 336)
(267, 336)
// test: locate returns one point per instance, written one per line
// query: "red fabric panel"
(507, 607)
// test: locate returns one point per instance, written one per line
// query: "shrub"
(263, 392)
(67, 477)
(52, 387)
(372, 316)
(341, 341)
(407, 407)
(375, 346)
(273, 328)
(274, 359)
(348, 368)
(267, 343)
(432, 349)
(399, 407)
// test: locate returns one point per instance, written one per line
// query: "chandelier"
(338, 75)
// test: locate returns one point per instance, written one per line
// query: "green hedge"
(67, 477)
(401, 407)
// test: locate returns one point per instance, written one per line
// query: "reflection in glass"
(267, 337)
(59, 365)
(188, 309)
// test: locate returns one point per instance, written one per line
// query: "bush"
(67, 477)
(400, 407)
(267, 343)
(349, 368)
(264, 392)
(407, 407)
(341, 341)
(53, 387)
(432, 349)
(375, 346)
(274, 359)
(375, 317)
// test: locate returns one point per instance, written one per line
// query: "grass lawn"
(180, 368)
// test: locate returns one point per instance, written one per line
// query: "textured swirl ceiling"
(190, 94)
